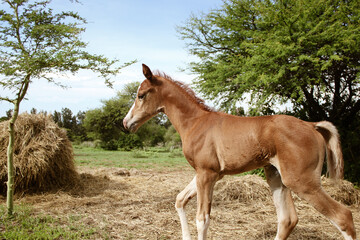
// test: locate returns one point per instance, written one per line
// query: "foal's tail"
(335, 161)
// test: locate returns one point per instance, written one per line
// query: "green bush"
(109, 145)
(172, 138)
(129, 141)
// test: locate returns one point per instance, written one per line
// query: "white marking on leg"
(279, 204)
(181, 201)
(184, 224)
(202, 227)
(345, 235)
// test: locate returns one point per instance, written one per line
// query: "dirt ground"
(140, 205)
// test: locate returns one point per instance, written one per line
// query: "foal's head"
(147, 103)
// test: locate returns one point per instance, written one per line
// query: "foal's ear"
(147, 72)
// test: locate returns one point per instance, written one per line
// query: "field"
(131, 195)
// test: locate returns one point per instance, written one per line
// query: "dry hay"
(342, 191)
(43, 155)
(250, 188)
(124, 204)
(249, 198)
(246, 189)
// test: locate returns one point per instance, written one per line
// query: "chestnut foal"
(291, 151)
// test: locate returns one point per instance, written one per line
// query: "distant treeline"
(103, 126)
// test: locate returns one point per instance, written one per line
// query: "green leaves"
(298, 51)
(304, 53)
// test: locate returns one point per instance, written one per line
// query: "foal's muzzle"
(129, 128)
(124, 127)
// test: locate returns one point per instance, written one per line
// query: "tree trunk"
(10, 161)
(10, 150)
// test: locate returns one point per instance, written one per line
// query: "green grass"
(27, 225)
(151, 158)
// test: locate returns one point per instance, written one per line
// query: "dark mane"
(185, 89)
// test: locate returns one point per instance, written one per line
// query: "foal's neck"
(182, 110)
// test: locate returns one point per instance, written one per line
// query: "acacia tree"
(302, 52)
(105, 123)
(34, 42)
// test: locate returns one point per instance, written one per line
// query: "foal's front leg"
(181, 200)
(205, 182)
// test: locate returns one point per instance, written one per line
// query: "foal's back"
(231, 144)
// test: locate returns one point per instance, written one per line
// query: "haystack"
(43, 155)
(342, 191)
(251, 188)
(244, 189)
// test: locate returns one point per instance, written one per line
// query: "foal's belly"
(242, 159)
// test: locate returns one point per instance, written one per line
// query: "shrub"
(109, 145)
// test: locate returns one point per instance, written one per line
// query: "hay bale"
(250, 188)
(43, 155)
(342, 191)
(245, 189)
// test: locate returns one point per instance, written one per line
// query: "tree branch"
(6, 99)
(315, 110)
(354, 110)
(24, 88)
(16, 9)
(207, 40)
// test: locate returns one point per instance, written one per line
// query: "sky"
(127, 30)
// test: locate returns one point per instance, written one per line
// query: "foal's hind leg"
(338, 214)
(181, 200)
(285, 210)
(307, 185)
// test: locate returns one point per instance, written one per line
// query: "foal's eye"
(141, 96)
